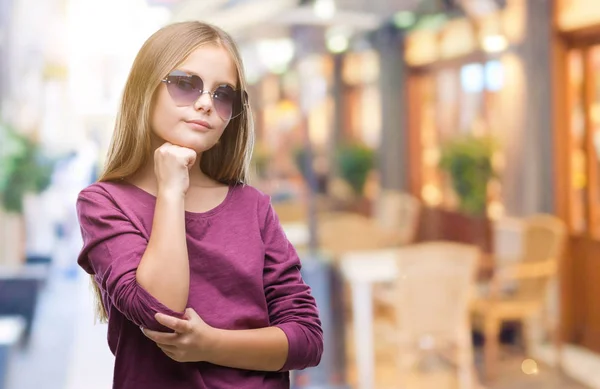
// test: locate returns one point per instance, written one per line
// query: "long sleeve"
(112, 250)
(291, 306)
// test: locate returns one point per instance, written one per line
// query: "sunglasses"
(185, 89)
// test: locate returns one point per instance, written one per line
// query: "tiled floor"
(42, 364)
(510, 373)
(512, 377)
(67, 351)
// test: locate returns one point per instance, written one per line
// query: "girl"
(200, 286)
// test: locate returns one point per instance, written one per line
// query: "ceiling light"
(324, 9)
(337, 39)
(276, 54)
(495, 43)
(337, 44)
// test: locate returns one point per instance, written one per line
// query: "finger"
(178, 325)
(191, 158)
(167, 348)
(164, 146)
(160, 337)
(191, 314)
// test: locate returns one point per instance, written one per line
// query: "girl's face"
(182, 116)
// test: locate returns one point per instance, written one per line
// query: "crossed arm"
(264, 349)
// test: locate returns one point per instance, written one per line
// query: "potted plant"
(468, 162)
(24, 169)
(354, 163)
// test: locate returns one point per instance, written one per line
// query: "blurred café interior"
(435, 163)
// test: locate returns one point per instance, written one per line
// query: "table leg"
(362, 307)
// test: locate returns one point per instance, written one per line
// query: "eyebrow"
(217, 83)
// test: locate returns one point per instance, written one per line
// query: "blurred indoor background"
(436, 163)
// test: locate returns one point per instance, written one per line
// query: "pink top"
(244, 274)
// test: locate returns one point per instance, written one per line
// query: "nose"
(203, 102)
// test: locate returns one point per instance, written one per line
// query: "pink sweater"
(244, 274)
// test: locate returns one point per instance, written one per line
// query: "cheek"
(164, 116)
(222, 126)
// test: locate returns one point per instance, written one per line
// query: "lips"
(199, 124)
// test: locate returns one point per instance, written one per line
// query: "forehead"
(213, 63)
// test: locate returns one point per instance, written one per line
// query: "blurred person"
(192, 270)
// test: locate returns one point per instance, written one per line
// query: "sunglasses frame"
(243, 95)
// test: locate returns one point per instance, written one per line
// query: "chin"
(200, 150)
(197, 145)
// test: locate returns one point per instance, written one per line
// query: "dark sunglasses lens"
(228, 102)
(223, 99)
(184, 89)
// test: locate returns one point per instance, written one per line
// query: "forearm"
(164, 268)
(263, 349)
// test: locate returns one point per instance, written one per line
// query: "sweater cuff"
(297, 345)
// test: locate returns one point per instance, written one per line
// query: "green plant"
(24, 168)
(354, 162)
(468, 162)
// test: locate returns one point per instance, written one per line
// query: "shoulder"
(110, 205)
(95, 190)
(251, 195)
(252, 201)
(100, 193)
(109, 195)
(95, 193)
(109, 190)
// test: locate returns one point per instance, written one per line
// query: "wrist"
(170, 194)
(213, 341)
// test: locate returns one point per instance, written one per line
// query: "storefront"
(465, 77)
(361, 98)
(577, 118)
(289, 107)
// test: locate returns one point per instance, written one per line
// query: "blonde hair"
(131, 146)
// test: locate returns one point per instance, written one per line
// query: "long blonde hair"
(131, 146)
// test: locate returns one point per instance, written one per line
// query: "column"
(339, 112)
(393, 149)
(535, 190)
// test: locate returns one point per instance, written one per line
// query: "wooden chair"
(433, 291)
(528, 279)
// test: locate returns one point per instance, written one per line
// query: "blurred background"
(436, 163)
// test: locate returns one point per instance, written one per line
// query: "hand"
(171, 166)
(191, 342)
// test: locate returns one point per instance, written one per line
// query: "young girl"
(200, 286)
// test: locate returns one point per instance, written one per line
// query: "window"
(454, 101)
(584, 135)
